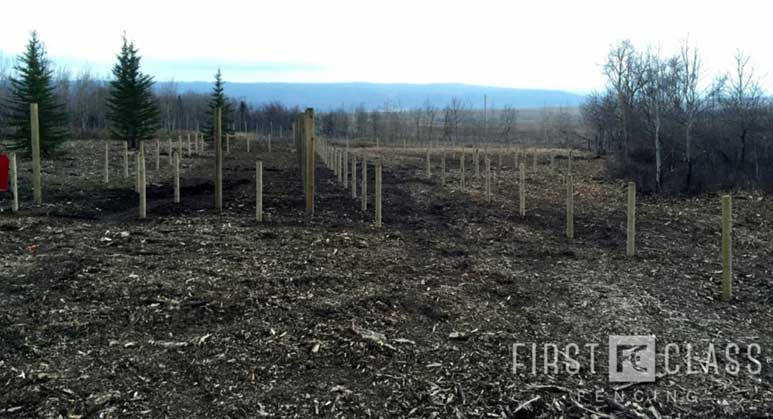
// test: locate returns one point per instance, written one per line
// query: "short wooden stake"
(364, 185)
(569, 207)
(228, 143)
(169, 150)
(727, 247)
(177, 178)
(107, 163)
(269, 142)
(522, 190)
(378, 192)
(142, 187)
(126, 160)
(179, 147)
(37, 191)
(259, 191)
(248, 140)
(190, 146)
(14, 183)
(630, 248)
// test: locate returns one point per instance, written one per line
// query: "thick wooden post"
(107, 163)
(218, 160)
(142, 183)
(630, 248)
(177, 178)
(37, 191)
(259, 191)
(522, 190)
(378, 192)
(137, 171)
(364, 187)
(727, 248)
(569, 207)
(158, 155)
(14, 183)
(310, 140)
(126, 160)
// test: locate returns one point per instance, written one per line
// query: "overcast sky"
(555, 44)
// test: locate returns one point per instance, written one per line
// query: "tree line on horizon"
(128, 105)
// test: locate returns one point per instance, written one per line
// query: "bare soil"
(191, 313)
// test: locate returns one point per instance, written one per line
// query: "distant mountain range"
(329, 96)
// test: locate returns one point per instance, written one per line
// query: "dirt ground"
(191, 313)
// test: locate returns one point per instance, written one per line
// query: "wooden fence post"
(345, 168)
(630, 248)
(378, 192)
(137, 171)
(429, 165)
(569, 207)
(259, 191)
(248, 143)
(107, 163)
(125, 159)
(488, 180)
(310, 140)
(37, 191)
(476, 163)
(727, 247)
(364, 187)
(522, 189)
(443, 168)
(14, 183)
(218, 160)
(158, 155)
(354, 176)
(461, 168)
(177, 178)
(142, 183)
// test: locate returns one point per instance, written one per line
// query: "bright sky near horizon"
(553, 44)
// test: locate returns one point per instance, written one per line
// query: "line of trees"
(79, 106)
(455, 123)
(664, 126)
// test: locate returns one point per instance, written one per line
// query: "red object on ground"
(3, 172)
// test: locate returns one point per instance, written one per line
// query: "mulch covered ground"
(191, 313)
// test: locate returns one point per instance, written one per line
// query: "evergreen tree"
(33, 83)
(217, 100)
(131, 108)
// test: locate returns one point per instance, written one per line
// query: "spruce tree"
(131, 108)
(217, 100)
(33, 83)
